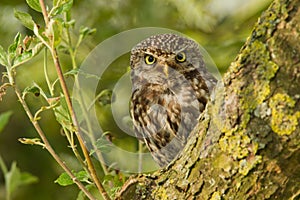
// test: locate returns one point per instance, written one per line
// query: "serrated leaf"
(15, 178)
(3, 57)
(64, 179)
(34, 4)
(25, 19)
(4, 118)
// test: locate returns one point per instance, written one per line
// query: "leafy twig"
(48, 146)
(63, 84)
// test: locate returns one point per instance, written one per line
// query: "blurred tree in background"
(221, 27)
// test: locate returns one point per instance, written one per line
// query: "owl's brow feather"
(182, 49)
(149, 51)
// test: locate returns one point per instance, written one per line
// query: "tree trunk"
(247, 144)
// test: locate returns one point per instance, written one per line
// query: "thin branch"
(44, 11)
(63, 84)
(46, 73)
(48, 145)
(81, 101)
(76, 124)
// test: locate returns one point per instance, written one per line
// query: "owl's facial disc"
(159, 63)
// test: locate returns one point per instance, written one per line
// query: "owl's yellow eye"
(180, 57)
(149, 59)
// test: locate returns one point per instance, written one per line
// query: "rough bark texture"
(248, 144)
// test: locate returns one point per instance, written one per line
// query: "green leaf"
(61, 7)
(72, 72)
(25, 56)
(85, 31)
(54, 31)
(4, 118)
(102, 145)
(13, 47)
(34, 4)
(25, 19)
(3, 57)
(82, 176)
(92, 189)
(34, 89)
(37, 48)
(57, 32)
(64, 179)
(70, 23)
(15, 178)
(62, 115)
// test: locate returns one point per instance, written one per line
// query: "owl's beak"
(163, 67)
(166, 70)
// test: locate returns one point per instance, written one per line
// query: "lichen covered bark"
(247, 145)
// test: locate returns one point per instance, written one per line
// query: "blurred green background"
(221, 27)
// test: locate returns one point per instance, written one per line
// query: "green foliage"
(114, 182)
(62, 114)
(3, 57)
(25, 19)
(54, 31)
(14, 178)
(34, 4)
(61, 6)
(20, 51)
(86, 31)
(90, 188)
(102, 145)
(4, 118)
(64, 179)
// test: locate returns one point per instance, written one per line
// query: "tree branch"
(247, 145)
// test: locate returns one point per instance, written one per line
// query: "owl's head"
(164, 54)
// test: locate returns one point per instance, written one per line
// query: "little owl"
(170, 89)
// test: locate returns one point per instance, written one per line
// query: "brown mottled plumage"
(171, 87)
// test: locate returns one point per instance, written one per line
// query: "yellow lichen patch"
(236, 145)
(216, 196)
(255, 90)
(223, 162)
(284, 119)
(160, 193)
